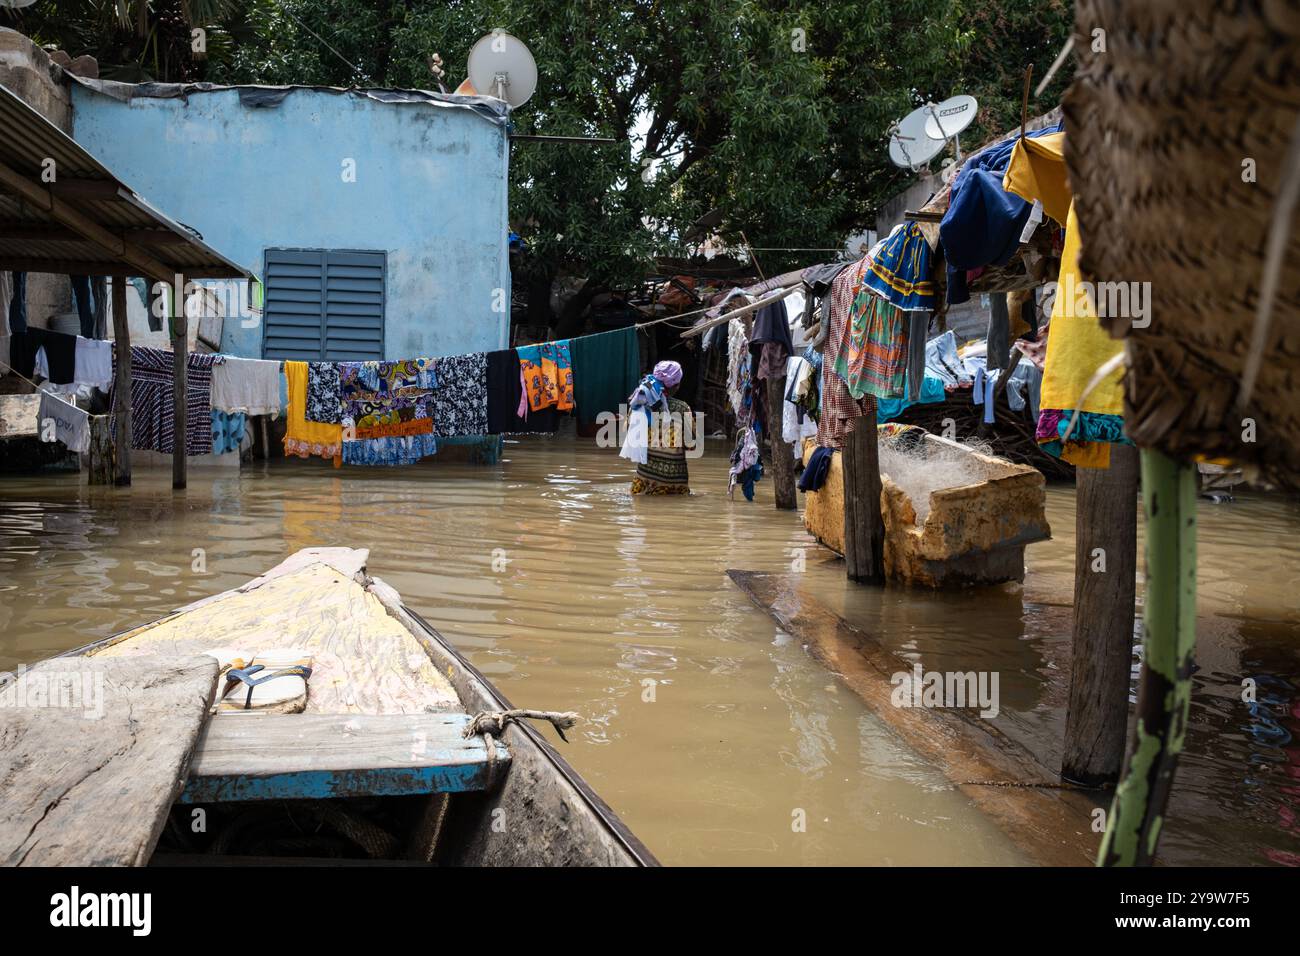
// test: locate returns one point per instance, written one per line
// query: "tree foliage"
(773, 113)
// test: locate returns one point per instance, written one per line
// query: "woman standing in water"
(657, 441)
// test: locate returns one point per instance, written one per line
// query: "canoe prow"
(380, 758)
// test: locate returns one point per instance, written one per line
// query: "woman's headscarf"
(669, 373)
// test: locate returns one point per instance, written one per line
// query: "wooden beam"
(38, 232)
(121, 383)
(864, 524)
(1137, 815)
(67, 267)
(1105, 585)
(787, 498)
(102, 190)
(180, 356)
(62, 211)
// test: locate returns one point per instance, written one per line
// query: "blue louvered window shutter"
(323, 304)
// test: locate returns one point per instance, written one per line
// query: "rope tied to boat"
(494, 722)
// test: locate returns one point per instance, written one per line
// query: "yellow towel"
(1077, 345)
(303, 438)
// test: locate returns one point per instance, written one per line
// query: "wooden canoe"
(377, 767)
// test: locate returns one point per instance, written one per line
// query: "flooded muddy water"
(711, 732)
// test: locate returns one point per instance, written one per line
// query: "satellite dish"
(909, 144)
(501, 66)
(15, 4)
(947, 119)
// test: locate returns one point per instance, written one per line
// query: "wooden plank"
(1105, 587)
(1051, 824)
(317, 756)
(864, 525)
(91, 784)
(783, 487)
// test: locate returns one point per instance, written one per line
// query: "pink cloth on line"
(523, 396)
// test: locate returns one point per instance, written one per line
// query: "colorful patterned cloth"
(548, 375)
(837, 405)
(872, 357)
(303, 438)
(152, 401)
(900, 271)
(387, 411)
(227, 431)
(1088, 444)
(323, 393)
(460, 402)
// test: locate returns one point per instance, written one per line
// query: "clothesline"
(51, 394)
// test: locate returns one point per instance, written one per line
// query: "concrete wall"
(27, 71)
(430, 190)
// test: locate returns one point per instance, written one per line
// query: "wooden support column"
(864, 526)
(782, 454)
(121, 384)
(1136, 816)
(180, 350)
(1105, 582)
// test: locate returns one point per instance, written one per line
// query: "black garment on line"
(504, 389)
(60, 354)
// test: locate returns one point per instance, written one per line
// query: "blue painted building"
(377, 220)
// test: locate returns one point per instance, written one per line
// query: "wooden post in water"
(782, 454)
(180, 349)
(1105, 582)
(864, 526)
(1136, 816)
(121, 385)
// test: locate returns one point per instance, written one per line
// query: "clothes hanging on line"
(505, 394)
(153, 418)
(251, 386)
(60, 420)
(303, 438)
(838, 407)
(872, 355)
(387, 411)
(323, 402)
(92, 362)
(606, 368)
(460, 401)
(548, 375)
(59, 363)
(228, 430)
(900, 270)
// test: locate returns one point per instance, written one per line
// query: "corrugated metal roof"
(46, 223)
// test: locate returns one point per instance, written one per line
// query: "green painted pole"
(1165, 686)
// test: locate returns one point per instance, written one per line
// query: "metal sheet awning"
(62, 211)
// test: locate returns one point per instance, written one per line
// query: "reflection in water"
(712, 732)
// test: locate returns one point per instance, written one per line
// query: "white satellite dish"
(501, 65)
(947, 119)
(16, 4)
(909, 144)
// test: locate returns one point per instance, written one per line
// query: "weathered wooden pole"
(782, 454)
(180, 356)
(121, 385)
(864, 526)
(1165, 686)
(1105, 583)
